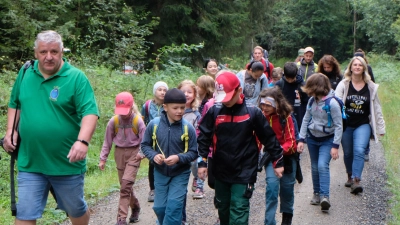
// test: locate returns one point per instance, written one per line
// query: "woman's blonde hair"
(347, 73)
(206, 83)
(259, 48)
(195, 103)
(317, 84)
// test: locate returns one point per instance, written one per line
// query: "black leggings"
(151, 175)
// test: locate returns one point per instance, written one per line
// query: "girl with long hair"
(329, 66)
(278, 112)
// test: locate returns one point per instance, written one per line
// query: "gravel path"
(370, 207)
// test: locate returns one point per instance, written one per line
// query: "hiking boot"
(287, 218)
(194, 184)
(366, 158)
(325, 204)
(356, 186)
(198, 194)
(134, 216)
(315, 199)
(151, 196)
(121, 222)
(349, 181)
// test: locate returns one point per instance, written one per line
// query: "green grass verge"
(387, 71)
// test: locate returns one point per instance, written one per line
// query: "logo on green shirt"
(54, 94)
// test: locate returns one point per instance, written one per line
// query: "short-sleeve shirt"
(251, 87)
(51, 113)
(358, 105)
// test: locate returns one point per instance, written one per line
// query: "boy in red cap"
(232, 129)
(126, 130)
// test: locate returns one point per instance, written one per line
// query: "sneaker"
(121, 222)
(151, 196)
(198, 194)
(325, 204)
(218, 222)
(366, 158)
(134, 216)
(184, 223)
(194, 184)
(315, 199)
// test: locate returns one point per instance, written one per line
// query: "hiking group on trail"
(221, 129)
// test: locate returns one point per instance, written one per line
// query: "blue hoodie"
(169, 140)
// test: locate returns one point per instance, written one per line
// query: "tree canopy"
(114, 31)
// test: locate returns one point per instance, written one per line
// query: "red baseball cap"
(225, 85)
(123, 103)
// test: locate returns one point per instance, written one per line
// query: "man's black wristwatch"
(83, 141)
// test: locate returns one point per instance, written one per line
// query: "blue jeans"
(33, 189)
(355, 140)
(170, 193)
(284, 187)
(320, 156)
(194, 167)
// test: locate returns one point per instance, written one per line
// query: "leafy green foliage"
(219, 24)
(104, 31)
(378, 17)
(324, 25)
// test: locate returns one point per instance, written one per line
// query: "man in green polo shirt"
(57, 115)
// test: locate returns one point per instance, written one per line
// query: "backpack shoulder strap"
(310, 102)
(267, 69)
(185, 135)
(156, 122)
(135, 124)
(252, 114)
(327, 108)
(116, 124)
(147, 109)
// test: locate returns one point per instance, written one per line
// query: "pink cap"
(123, 103)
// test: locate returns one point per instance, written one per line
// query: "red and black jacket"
(235, 155)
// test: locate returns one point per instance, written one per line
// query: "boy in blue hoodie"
(170, 142)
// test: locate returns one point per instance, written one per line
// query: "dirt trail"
(369, 207)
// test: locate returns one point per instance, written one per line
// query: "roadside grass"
(386, 71)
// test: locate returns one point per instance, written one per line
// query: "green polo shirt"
(51, 114)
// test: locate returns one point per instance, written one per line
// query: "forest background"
(169, 40)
